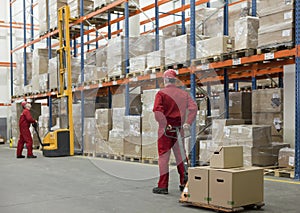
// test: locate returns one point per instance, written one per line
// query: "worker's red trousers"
(25, 137)
(165, 144)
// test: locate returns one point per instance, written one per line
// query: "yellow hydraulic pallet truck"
(60, 142)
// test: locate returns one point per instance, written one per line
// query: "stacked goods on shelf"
(116, 53)
(40, 62)
(54, 5)
(103, 126)
(43, 121)
(89, 135)
(137, 63)
(246, 33)
(276, 20)
(101, 62)
(267, 109)
(19, 88)
(172, 31)
(240, 106)
(132, 142)
(43, 16)
(149, 125)
(16, 110)
(255, 139)
(286, 157)
(88, 6)
(177, 50)
(101, 3)
(214, 46)
(213, 18)
(225, 181)
(156, 59)
(77, 124)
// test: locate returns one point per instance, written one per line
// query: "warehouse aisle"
(78, 184)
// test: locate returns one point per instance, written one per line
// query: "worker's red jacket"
(171, 105)
(26, 119)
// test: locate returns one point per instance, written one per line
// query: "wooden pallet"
(280, 172)
(155, 69)
(149, 161)
(132, 158)
(109, 156)
(135, 74)
(275, 47)
(216, 58)
(177, 65)
(114, 78)
(243, 53)
(223, 209)
(89, 154)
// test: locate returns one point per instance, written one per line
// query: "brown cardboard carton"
(286, 157)
(239, 102)
(132, 147)
(275, 18)
(218, 127)
(266, 7)
(198, 184)
(267, 100)
(227, 157)
(236, 187)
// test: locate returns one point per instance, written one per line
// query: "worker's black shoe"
(158, 190)
(21, 156)
(31, 156)
(181, 187)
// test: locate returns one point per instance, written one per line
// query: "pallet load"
(43, 16)
(40, 60)
(222, 185)
(267, 109)
(132, 142)
(156, 59)
(77, 124)
(149, 126)
(246, 33)
(88, 6)
(277, 22)
(215, 47)
(19, 81)
(54, 5)
(240, 106)
(286, 157)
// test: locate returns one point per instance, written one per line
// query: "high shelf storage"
(226, 69)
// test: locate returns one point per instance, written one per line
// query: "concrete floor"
(80, 184)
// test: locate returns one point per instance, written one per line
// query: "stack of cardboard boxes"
(226, 183)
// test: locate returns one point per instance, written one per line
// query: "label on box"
(220, 14)
(288, 2)
(244, 5)
(230, 103)
(288, 15)
(275, 95)
(240, 130)
(227, 132)
(269, 56)
(236, 61)
(286, 33)
(205, 66)
(291, 161)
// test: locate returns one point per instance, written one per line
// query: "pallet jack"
(61, 141)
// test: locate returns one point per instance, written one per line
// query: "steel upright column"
(11, 54)
(82, 75)
(254, 82)
(208, 99)
(49, 56)
(31, 26)
(226, 81)
(75, 48)
(108, 25)
(193, 78)
(127, 104)
(236, 86)
(156, 25)
(297, 92)
(97, 43)
(25, 41)
(183, 31)
(280, 80)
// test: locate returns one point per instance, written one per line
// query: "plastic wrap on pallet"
(137, 63)
(43, 16)
(246, 33)
(215, 22)
(280, 33)
(77, 125)
(172, 31)
(89, 135)
(286, 157)
(54, 5)
(148, 98)
(177, 49)
(43, 82)
(91, 58)
(214, 46)
(52, 70)
(267, 7)
(156, 59)
(88, 6)
(267, 100)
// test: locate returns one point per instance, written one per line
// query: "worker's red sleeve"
(192, 108)
(28, 116)
(158, 110)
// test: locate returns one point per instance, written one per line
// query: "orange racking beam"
(6, 64)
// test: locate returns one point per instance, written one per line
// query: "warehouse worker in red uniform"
(170, 107)
(25, 135)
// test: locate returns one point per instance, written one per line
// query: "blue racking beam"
(25, 41)
(126, 57)
(183, 31)
(156, 25)
(11, 54)
(226, 81)
(193, 78)
(82, 75)
(297, 92)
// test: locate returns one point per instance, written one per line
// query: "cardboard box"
(266, 7)
(236, 187)
(198, 184)
(286, 157)
(218, 127)
(267, 100)
(227, 157)
(132, 147)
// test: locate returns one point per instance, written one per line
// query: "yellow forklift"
(60, 142)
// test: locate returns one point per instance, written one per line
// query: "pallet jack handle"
(35, 126)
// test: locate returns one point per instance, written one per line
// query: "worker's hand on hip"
(186, 126)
